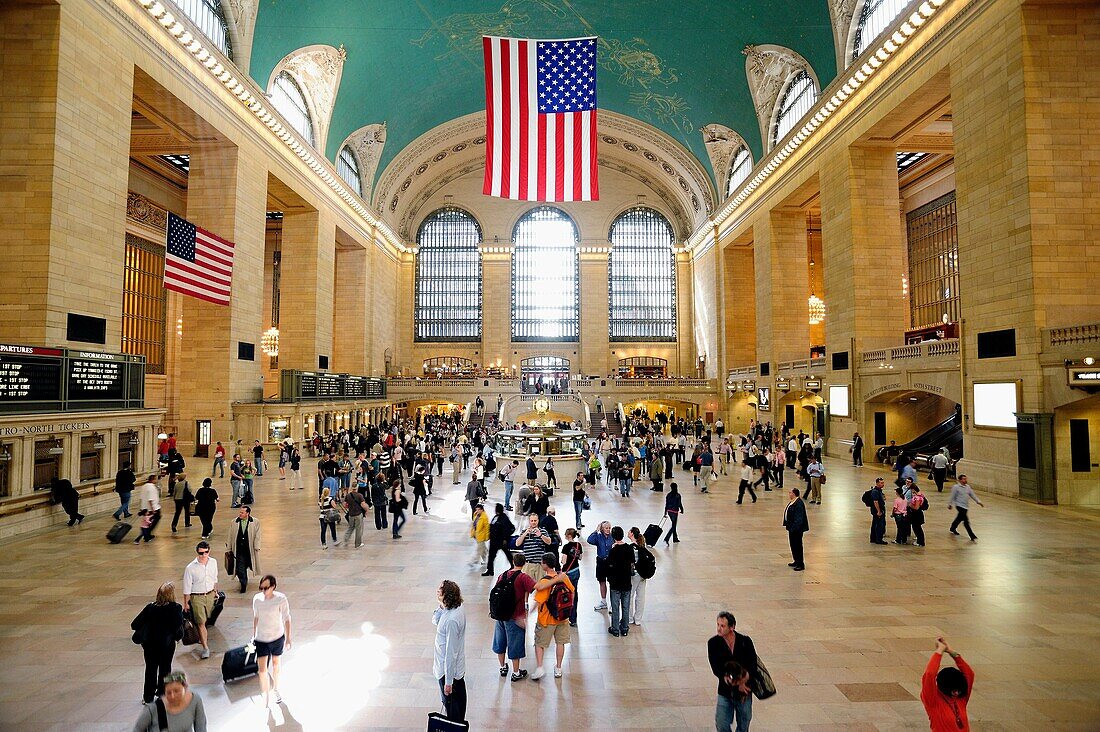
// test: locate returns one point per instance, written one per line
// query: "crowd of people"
(368, 471)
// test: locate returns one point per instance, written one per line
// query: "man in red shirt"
(510, 636)
(945, 692)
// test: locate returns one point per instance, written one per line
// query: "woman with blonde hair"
(156, 629)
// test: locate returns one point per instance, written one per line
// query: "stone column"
(739, 310)
(64, 163)
(594, 349)
(306, 289)
(496, 310)
(351, 326)
(227, 195)
(782, 286)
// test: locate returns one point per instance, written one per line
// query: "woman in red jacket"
(945, 692)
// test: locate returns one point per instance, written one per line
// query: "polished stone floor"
(846, 641)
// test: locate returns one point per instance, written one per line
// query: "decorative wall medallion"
(459, 147)
(406, 184)
(683, 183)
(630, 146)
(667, 168)
(649, 156)
(479, 140)
(609, 140)
(143, 211)
(440, 156)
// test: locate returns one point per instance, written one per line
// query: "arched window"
(208, 16)
(545, 297)
(796, 100)
(448, 278)
(739, 169)
(875, 17)
(641, 278)
(348, 168)
(287, 97)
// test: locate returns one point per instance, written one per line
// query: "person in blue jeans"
(733, 661)
(571, 553)
(578, 501)
(620, 567)
(601, 539)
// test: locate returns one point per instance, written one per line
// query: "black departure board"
(36, 379)
(311, 386)
(30, 378)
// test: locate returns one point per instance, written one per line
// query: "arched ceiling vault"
(457, 148)
(415, 66)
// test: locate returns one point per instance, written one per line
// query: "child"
(146, 526)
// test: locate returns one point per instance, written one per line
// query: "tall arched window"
(545, 297)
(348, 168)
(448, 278)
(739, 169)
(875, 17)
(641, 278)
(209, 17)
(287, 97)
(796, 100)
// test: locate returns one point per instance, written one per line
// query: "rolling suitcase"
(652, 534)
(237, 663)
(118, 532)
(439, 723)
(219, 605)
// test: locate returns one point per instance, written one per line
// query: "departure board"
(311, 386)
(36, 379)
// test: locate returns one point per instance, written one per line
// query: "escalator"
(948, 433)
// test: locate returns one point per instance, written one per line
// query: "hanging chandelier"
(817, 309)
(269, 342)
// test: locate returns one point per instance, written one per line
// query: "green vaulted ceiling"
(676, 64)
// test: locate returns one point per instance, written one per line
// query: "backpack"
(918, 502)
(868, 501)
(502, 598)
(646, 564)
(560, 602)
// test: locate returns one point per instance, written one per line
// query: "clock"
(542, 405)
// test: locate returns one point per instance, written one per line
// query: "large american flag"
(540, 108)
(197, 263)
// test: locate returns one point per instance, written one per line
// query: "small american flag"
(540, 108)
(197, 263)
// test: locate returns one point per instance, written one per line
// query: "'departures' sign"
(37, 379)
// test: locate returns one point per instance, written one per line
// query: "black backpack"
(502, 598)
(646, 564)
(868, 500)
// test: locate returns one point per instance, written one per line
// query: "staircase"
(614, 427)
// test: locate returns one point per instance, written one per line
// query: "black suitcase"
(248, 499)
(652, 534)
(219, 605)
(237, 663)
(439, 723)
(118, 532)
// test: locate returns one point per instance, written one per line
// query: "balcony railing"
(742, 372)
(1071, 335)
(802, 365)
(928, 349)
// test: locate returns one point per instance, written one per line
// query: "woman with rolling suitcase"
(270, 633)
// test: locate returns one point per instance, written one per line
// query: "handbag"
(586, 504)
(822, 479)
(190, 630)
(230, 562)
(760, 682)
(331, 515)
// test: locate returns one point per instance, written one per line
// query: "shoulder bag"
(230, 561)
(760, 681)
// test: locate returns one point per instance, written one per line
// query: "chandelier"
(817, 309)
(269, 342)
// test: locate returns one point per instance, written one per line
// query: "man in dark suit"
(532, 470)
(794, 520)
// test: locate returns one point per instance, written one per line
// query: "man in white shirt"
(792, 451)
(939, 463)
(271, 632)
(449, 664)
(200, 589)
(961, 495)
(150, 501)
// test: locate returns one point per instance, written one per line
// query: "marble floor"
(846, 641)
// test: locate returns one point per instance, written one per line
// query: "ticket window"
(7, 451)
(91, 458)
(47, 464)
(278, 430)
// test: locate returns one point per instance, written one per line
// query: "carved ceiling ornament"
(440, 150)
(841, 13)
(721, 143)
(768, 68)
(317, 69)
(367, 143)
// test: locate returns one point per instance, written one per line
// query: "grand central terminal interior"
(276, 228)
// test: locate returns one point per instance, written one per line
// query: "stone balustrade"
(928, 349)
